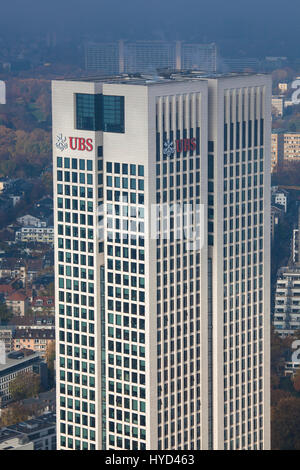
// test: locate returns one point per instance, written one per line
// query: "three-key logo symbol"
(2, 92)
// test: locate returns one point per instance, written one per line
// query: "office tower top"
(149, 56)
(162, 261)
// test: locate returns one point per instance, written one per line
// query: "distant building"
(277, 149)
(12, 268)
(5, 184)
(35, 339)
(287, 301)
(290, 368)
(34, 434)
(149, 56)
(6, 336)
(35, 234)
(280, 197)
(239, 64)
(277, 106)
(103, 57)
(277, 212)
(18, 302)
(34, 267)
(283, 87)
(295, 246)
(198, 56)
(42, 403)
(17, 362)
(285, 147)
(33, 322)
(291, 146)
(31, 221)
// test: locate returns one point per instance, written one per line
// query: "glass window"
(113, 113)
(88, 112)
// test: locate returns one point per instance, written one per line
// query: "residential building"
(291, 146)
(163, 338)
(35, 234)
(37, 340)
(18, 303)
(6, 336)
(13, 268)
(280, 197)
(286, 316)
(277, 149)
(34, 434)
(277, 212)
(45, 305)
(277, 106)
(31, 221)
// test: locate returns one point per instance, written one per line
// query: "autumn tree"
(5, 313)
(13, 414)
(50, 354)
(286, 424)
(50, 360)
(25, 385)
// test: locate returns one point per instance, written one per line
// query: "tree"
(25, 385)
(278, 395)
(14, 414)
(286, 424)
(50, 359)
(296, 381)
(5, 313)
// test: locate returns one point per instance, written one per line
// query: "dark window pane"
(88, 112)
(113, 113)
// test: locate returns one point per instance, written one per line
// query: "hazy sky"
(255, 25)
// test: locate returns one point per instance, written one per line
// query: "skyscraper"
(162, 316)
(148, 56)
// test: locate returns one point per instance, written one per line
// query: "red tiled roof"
(6, 289)
(17, 296)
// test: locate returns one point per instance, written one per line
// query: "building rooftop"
(17, 358)
(163, 76)
(17, 297)
(32, 333)
(28, 427)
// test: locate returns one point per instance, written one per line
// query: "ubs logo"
(74, 143)
(61, 142)
(180, 145)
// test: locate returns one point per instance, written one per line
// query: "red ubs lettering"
(185, 145)
(81, 144)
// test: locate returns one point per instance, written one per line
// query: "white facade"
(280, 197)
(287, 301)
(161, 346)
(35, 234)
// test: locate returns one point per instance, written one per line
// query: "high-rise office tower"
(162, 317)
(199, 56)
(149, 56)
